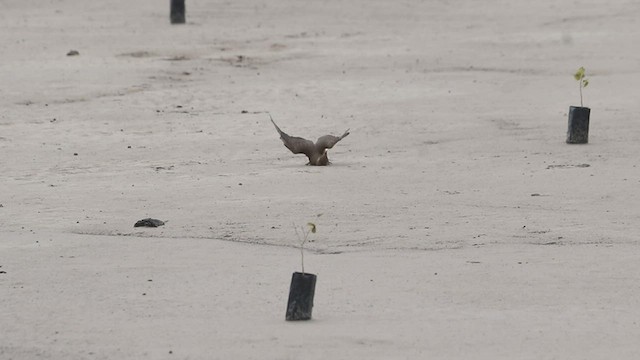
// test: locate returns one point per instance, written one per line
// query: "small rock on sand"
(149, 222)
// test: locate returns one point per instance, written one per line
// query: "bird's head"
(323, 159)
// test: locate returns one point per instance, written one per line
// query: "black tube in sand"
(300, 305)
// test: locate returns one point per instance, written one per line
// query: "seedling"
(311, 228)
(582, 80)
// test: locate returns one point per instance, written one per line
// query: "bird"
(317, 153)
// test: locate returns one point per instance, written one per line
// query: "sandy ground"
(454, 221)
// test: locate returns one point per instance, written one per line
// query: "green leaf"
(585, 82)
(579, 75)
(312, 226)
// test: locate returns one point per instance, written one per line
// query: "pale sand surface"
(457, 113)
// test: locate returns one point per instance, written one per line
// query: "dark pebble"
(148, 222)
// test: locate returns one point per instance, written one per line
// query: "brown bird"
(317, 153)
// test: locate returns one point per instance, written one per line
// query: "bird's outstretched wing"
(297, 145)
(328, 141)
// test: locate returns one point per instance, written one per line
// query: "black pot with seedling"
(578, 131)
(177, 12)
(303, 285)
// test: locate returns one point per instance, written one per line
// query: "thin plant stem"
(302, 258)
(581, 104)
(302, 241)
